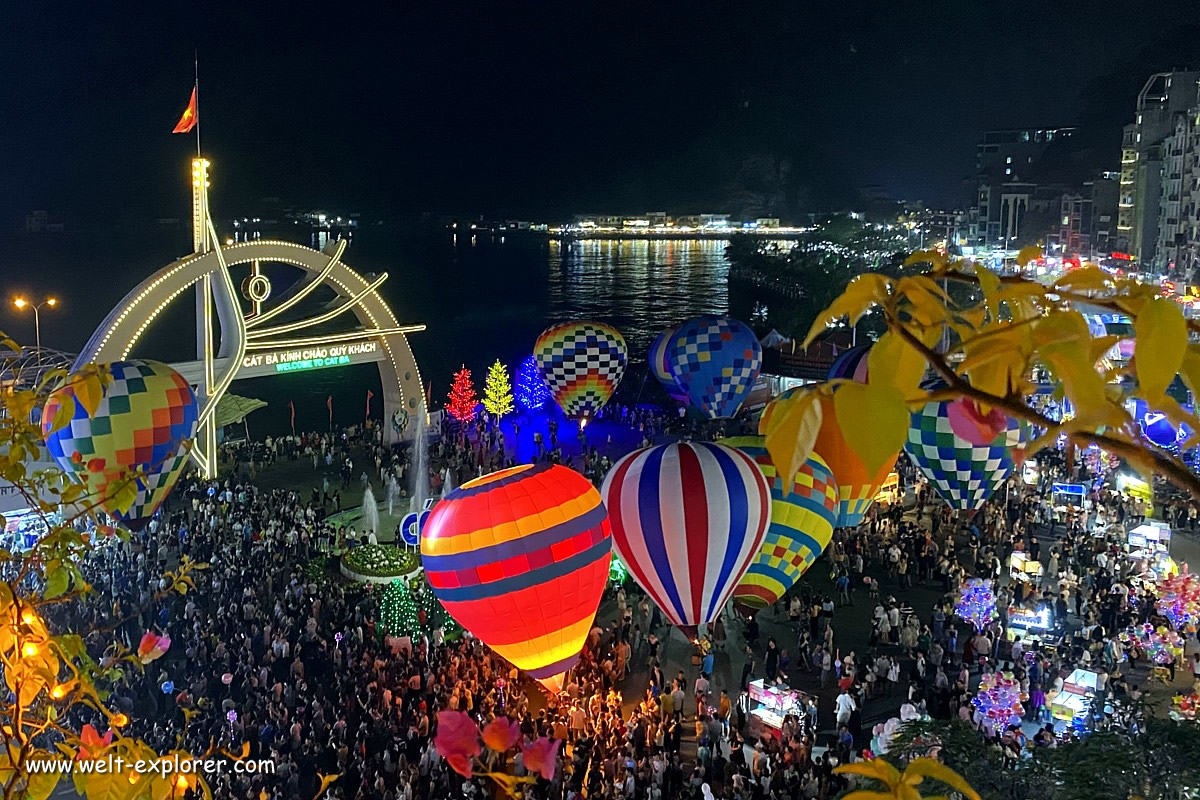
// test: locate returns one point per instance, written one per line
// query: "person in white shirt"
(844, 705)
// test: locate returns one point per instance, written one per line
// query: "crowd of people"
(274, 650)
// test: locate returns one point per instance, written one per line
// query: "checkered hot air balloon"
(857, 488)
(520, 558)
(660, 366)
(964, 474)
(716, 360)
(582, 363)
(687, 519)
(141, 423)
(802, 520)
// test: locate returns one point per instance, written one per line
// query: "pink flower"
(91, 743)
(457, 740)
(501, 734)
(541, 756)
(153, 646)
(969, 423)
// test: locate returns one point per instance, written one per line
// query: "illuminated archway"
(249, 348)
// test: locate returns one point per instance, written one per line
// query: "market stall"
(1023, 568)
(770, 705)
(1075, 699)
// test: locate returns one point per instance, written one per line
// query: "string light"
(531, 390)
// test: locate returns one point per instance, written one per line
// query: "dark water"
(482, 299)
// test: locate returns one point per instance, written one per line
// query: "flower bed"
(379, 563)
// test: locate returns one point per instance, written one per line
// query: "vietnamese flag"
(190, 116)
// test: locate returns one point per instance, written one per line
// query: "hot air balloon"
(687, 519)
(851, 364)
(582, 364)
(143, 418)
(520, 558)
(802, 520)
(856, 487)
(716, 360)
(964, 474)
(660, 367)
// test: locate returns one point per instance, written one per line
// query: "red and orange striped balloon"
(520, 558)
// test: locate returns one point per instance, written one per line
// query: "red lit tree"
(461, 400)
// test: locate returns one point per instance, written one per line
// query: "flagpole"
(196, 88)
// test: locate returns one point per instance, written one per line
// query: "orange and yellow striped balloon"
(520, 558)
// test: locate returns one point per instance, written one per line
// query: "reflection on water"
(639, 286)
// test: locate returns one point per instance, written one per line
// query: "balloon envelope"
(141, 422)
(716, 360)
(851, 364)
(964, 474)
(660, 350)
(802, 520)
(520, 558)
(582, 364)
(857, 488)
(687, 520)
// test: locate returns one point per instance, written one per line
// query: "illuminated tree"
(461, 400)
(531, 390)
(51, 672)
(497, 391)
(398, 611)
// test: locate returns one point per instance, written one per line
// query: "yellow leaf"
(791, 432)
(64, 413)
(895, 362)
(41, 784)
(1190, 370)
(874, 768)
(929, 768)
(1160, 342)
(89, 391)
(1089, 278)
(1027, 254)
(874, 419)
(861, 293)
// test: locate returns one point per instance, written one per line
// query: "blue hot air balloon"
(716, 360)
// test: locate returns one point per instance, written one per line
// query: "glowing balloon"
(520, 558)
(687, 520)
(851, 364)
(857, 488)
(716, 360)
(964, 474)
(660, 365)
(143, 418)
(582, 364)
(802, 520)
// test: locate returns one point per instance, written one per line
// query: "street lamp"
(21, 304)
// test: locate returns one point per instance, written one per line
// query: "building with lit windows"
(1149, 153)
(1008, 155)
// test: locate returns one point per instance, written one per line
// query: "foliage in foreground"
(54, 681)
(1013, 335)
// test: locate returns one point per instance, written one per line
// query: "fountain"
(393, 491)
(420, 462)
(370, 513)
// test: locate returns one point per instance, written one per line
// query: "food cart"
(770, 705)
(1023, 568)
(1067, 495)
(1075, 698)
(1151, 535)
(889, 492)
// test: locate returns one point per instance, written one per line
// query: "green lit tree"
(398, 611)
(497, 391)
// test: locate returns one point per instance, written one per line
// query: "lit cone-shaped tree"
(531, 390)
(461, 400)
(497, 391)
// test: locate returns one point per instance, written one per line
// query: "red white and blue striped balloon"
(688, 520)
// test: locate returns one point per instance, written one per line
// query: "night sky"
(545, 109)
